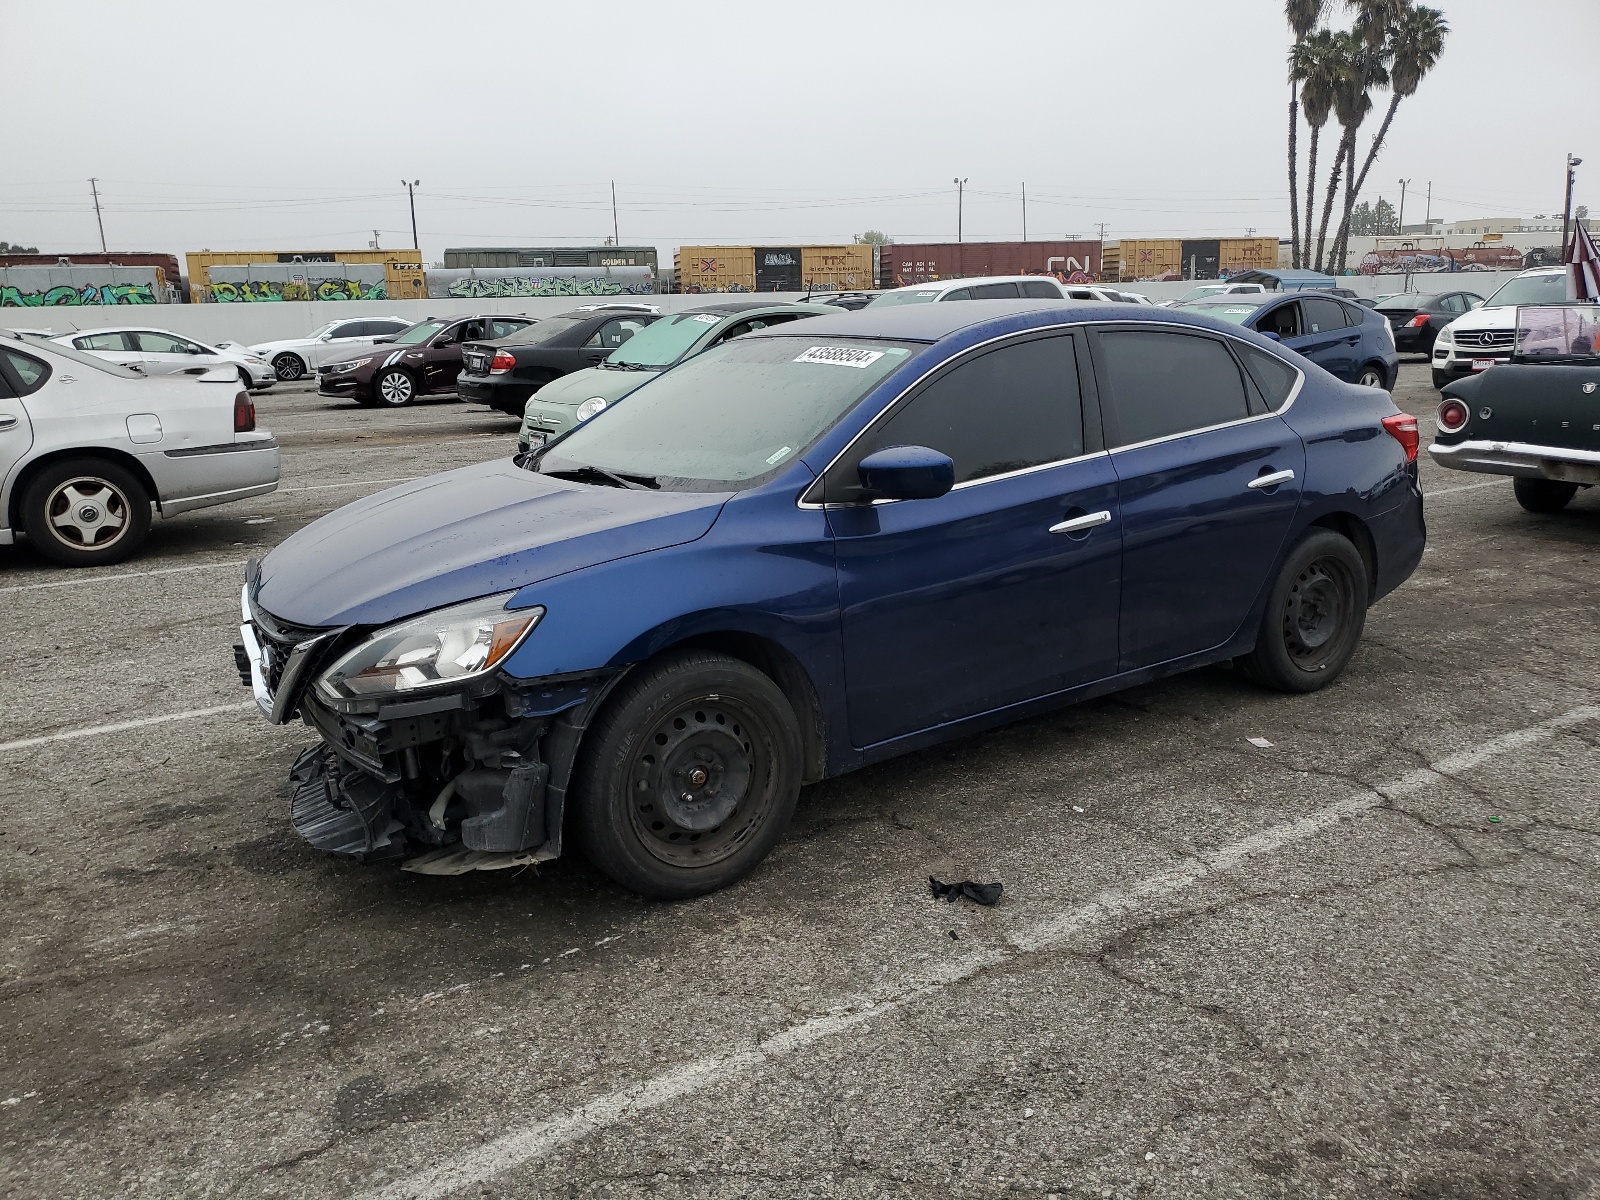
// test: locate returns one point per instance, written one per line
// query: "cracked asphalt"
(1359, 961)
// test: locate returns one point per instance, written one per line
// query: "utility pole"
(1427, 214)
(961, 187)
(1401, 219)
(94, 190)
(1566, 212)
(375, 240)
(1102, 269)
(411, 195)
(616, 238)
(1024, 211)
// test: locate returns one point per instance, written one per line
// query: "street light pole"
(411, 195)
(961, 186)
(1566, 211)
(1400, 220)
(94, 188)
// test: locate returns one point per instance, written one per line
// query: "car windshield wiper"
(637, 483)
(626, 366)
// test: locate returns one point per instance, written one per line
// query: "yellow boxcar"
(1150, 258)
(200, 263)
(836, 268)
(716, 269)
(1247, 254)
(405, 281)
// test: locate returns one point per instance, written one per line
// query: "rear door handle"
(1272, 480)
(1079, 524)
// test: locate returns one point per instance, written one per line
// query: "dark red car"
(420, 361)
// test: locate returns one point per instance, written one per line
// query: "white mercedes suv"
(1483, 336)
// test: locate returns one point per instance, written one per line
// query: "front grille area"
(278, 639)
(1486, 339)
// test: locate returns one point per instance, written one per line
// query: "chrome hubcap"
(287, 367)
(395, 387)
(87, 513)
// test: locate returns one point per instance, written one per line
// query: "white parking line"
(1465, 487)
(67, 735)
(77, 579)
(478, 1164)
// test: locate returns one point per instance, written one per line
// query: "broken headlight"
(449, 645)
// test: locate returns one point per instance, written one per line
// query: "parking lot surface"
(1355, 956)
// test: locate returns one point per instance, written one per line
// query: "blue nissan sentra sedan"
(810, 549)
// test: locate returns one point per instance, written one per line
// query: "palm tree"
(1353, 66)
(1314, 65)
(1303, 17)
(1415, 44)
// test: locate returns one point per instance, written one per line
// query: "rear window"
(542, 331)
(86, 360)
(1274, 377)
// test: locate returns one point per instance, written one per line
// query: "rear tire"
(1543, 495)
(289, 367)
(394, 388)
(1372, 376)
(86, 512)
(689, 777)
(1314, 616)
(1441, 380)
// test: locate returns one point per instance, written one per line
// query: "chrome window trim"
(802, 502)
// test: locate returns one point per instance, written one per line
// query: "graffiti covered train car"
(74, 286)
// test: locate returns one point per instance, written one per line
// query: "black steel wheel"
(289, 367)
(1314, 616)
(689, 777)
(86, 512)
(1543, 495)
(394, 387)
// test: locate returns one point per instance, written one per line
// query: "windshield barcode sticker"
(840, 356)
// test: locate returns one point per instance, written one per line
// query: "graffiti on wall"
(71, 294)
(257, 291)
(488, 288)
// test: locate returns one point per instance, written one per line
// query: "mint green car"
(569, 401)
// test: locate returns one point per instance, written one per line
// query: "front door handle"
(1079, 524)
(7, 421)
(1272, 480)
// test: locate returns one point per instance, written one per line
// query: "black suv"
(505, 372)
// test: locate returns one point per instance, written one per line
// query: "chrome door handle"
(7, 421)
(1078, 524)
(1272, 480)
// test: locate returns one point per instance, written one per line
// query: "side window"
(450, 336)
(959, 294)
(1455, 304)
(1322, 316)
(1274, 378)
(160, 343)
(1163, 384)
(995, 291)
(500, 329)
(1041, 290)
(1283, 321)
(1007, 409)
(614, 332)
(348, 329)
(102, 341)
(30, 372)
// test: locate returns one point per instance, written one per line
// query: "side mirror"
(906, 473)
(384, 340)
(327, 337)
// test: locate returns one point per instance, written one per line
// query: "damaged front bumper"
(468, 777)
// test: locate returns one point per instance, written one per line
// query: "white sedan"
(87, 447)
(298, 357)
(161, 352)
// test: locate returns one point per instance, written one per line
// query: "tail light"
(502, 362)
(1418, 321)
(1402, 428)
(244, 413)
(1453, 416)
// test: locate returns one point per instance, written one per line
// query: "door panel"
(1325, 338)
(16, 432)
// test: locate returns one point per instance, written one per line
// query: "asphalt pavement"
(1339, 945)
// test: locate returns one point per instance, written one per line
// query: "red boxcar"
(903, 263)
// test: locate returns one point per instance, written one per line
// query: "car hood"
(572, 390)
(487, 528)
(1501, 316)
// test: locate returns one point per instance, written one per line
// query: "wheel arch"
(121, 458)
(1354, 530)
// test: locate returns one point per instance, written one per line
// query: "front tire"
(1441, 380)
(394, 388)
(1543, 495)
(1314, 616)
(289, 367)
(689, 777)
(86, 512)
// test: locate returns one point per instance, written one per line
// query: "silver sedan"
(162, 352)
(88, 447)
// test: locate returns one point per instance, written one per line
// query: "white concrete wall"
(249, 324)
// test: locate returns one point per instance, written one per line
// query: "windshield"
(723, 418)
(543, 331)
(420, 332)
(1235, 312)
(1532, 289)
(319, 331)
(906, 296)
(663, 342)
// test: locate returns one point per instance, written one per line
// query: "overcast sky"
(290, 124)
